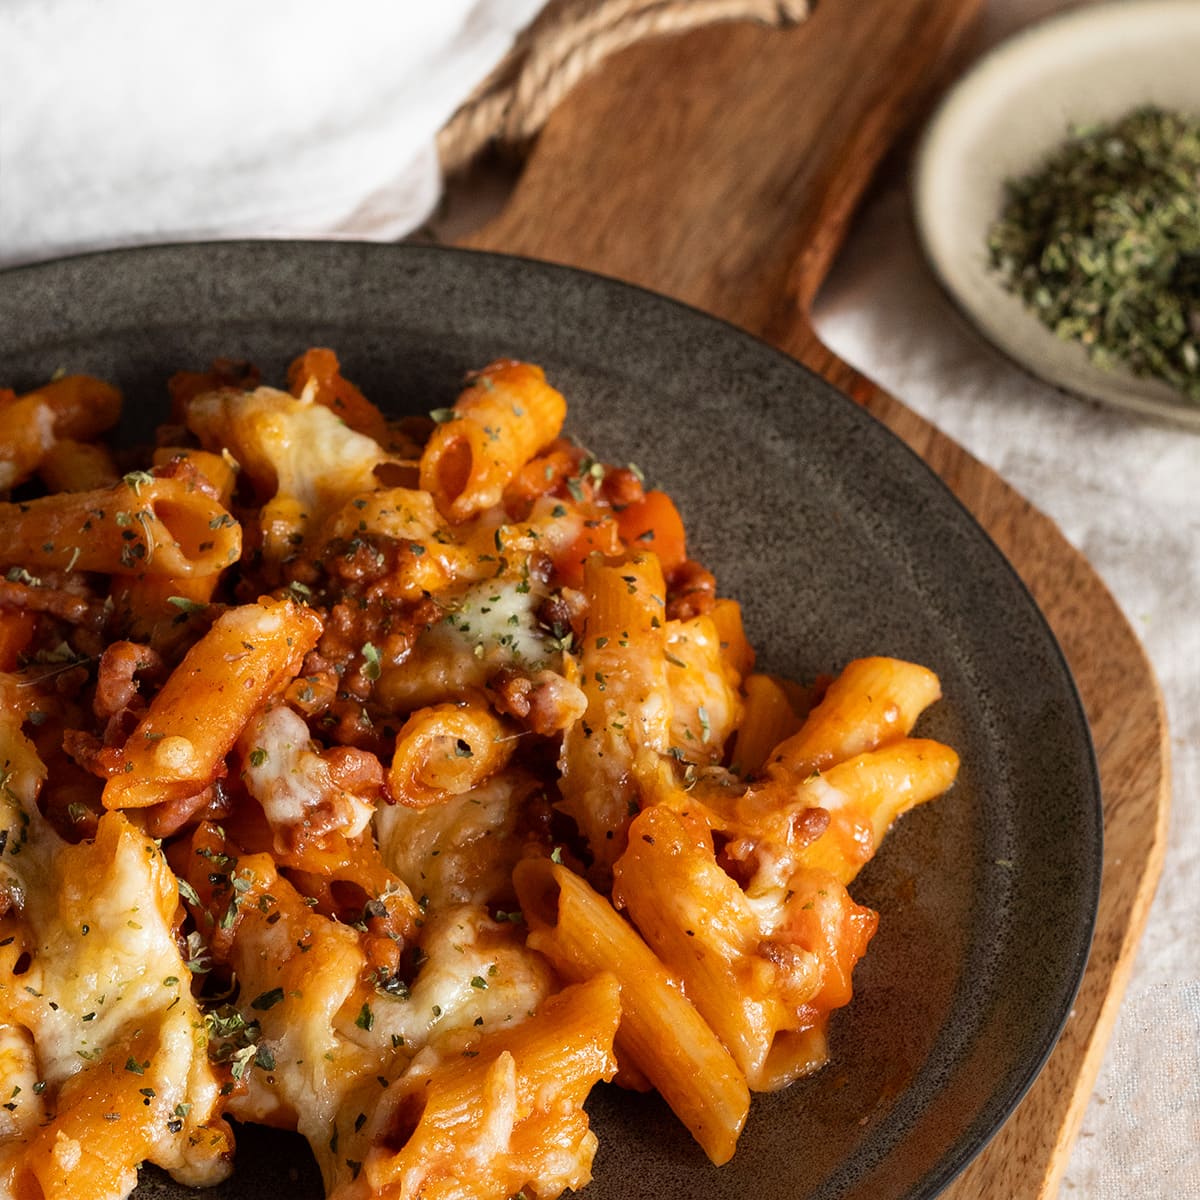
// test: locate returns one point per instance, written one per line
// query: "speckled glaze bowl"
(838, 541)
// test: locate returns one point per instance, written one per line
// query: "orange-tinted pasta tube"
(767, 720)
(150, 605)
(695, 917)
(179, 746)
(17, 627)
(623, 674)
(506, 1118)
(446, 750)
(82, 406)
(758, 981)
(735, 647)
(874, 701)
(654, 523)
(865, 794)
(71, 466)
(28, 435)
(142, 526)
(661, 1033)
(319, 368)
(220, 472)
(507, 413)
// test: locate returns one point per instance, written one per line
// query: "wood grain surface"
(722, 167)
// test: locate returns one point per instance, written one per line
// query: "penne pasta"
(82, 406)
(507, 1118)
(763, 970)
(71, 466)
(874, 701)
(661, 1032)
(300, 458)
(865, 795)
(145, 525)
(152, 608)
(220, 472)
(738, 653)
(705, 705)
(623, 674)
(179, 746)
(28, 437)
(319, 373)
(767, 721)
(17, 628)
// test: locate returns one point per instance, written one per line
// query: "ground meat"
(691, 591)
(72, 607)
(554, 614)
(796, 970)
(541, 566)
(116, 679)
(170, 816)
(91, 753)
(360, 559)
(808, 825)
(554, 703)
(510, 693)
(351, 723)
(622, 487)
(544, 703)
(354, 770)
(390, 629)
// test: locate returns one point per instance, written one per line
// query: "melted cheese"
(487, 627)
(476, 976)
(105, 973)
(285, 773)
(23, 1109)
(296, 451)
(459, 852)
(334, 1040)
(705, 708)
(495, 621)
(313, 966)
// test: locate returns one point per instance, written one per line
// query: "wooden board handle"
(722, 167)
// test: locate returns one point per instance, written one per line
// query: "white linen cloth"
(136, 121)
(1126, 492)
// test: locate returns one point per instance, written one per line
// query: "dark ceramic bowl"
(838, 541)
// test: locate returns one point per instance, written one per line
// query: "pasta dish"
(395, 782)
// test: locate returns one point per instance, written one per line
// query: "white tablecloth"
(137, 121)
(1126, 493)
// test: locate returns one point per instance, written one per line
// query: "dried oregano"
(1102, 241)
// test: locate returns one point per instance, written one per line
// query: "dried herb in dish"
(1102, 242)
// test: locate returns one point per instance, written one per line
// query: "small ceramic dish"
(1002, 119)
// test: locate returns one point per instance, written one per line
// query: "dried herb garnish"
(1102, 242)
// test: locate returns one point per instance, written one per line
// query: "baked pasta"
(395, 782)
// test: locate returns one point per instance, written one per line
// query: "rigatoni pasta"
(506, 414)
(397, 782)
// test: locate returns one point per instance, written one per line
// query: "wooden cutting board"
(722, 167)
